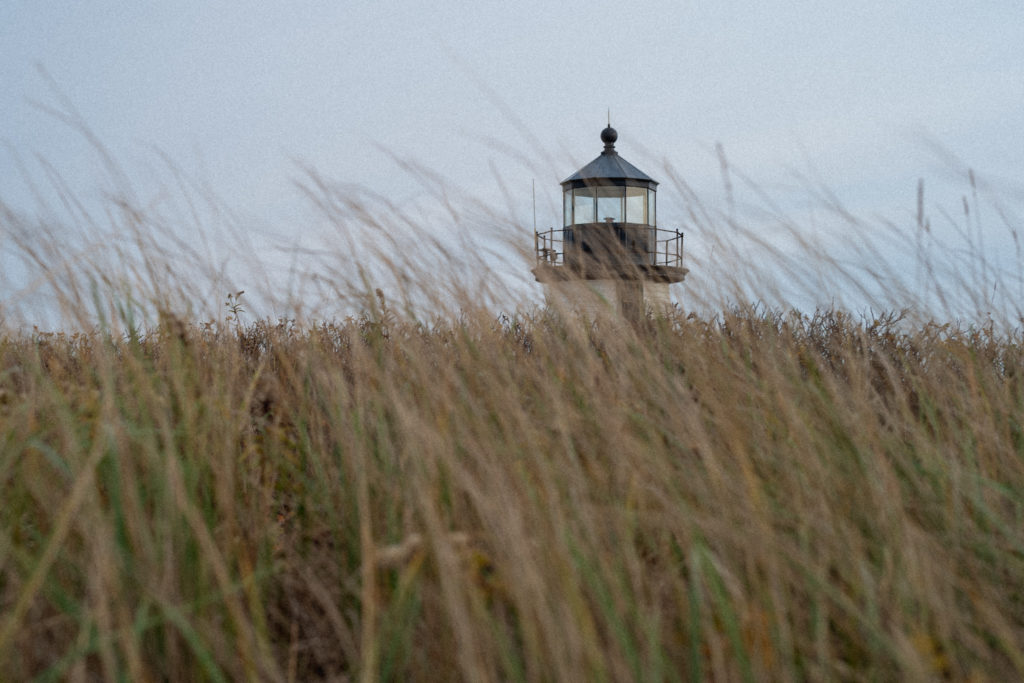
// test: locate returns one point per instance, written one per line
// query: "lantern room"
(609, 211)
(609, 190)
(610, 251)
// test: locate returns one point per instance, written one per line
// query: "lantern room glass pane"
(636, 205)
(583, 205)
(567, 207)
(609, 204)
(650, 208)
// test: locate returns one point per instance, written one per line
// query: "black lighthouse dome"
(609, 189)
(608, 136)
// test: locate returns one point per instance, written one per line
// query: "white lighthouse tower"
(610, 257)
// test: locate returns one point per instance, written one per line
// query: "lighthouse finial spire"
(609, 136)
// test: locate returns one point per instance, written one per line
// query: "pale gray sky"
(241, 96)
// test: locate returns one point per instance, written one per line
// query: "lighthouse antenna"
(533, 185)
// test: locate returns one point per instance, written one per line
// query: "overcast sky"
(243, 96)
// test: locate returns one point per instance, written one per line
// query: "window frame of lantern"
(636, 192)
(583, 193)
(610, 193)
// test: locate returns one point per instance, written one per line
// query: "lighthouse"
(610, 256)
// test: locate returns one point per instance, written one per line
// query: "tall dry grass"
(742, 494)
(753, 497)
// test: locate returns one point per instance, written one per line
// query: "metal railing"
(549, 246)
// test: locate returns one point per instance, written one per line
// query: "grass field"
(752, 497)
(726, 493)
